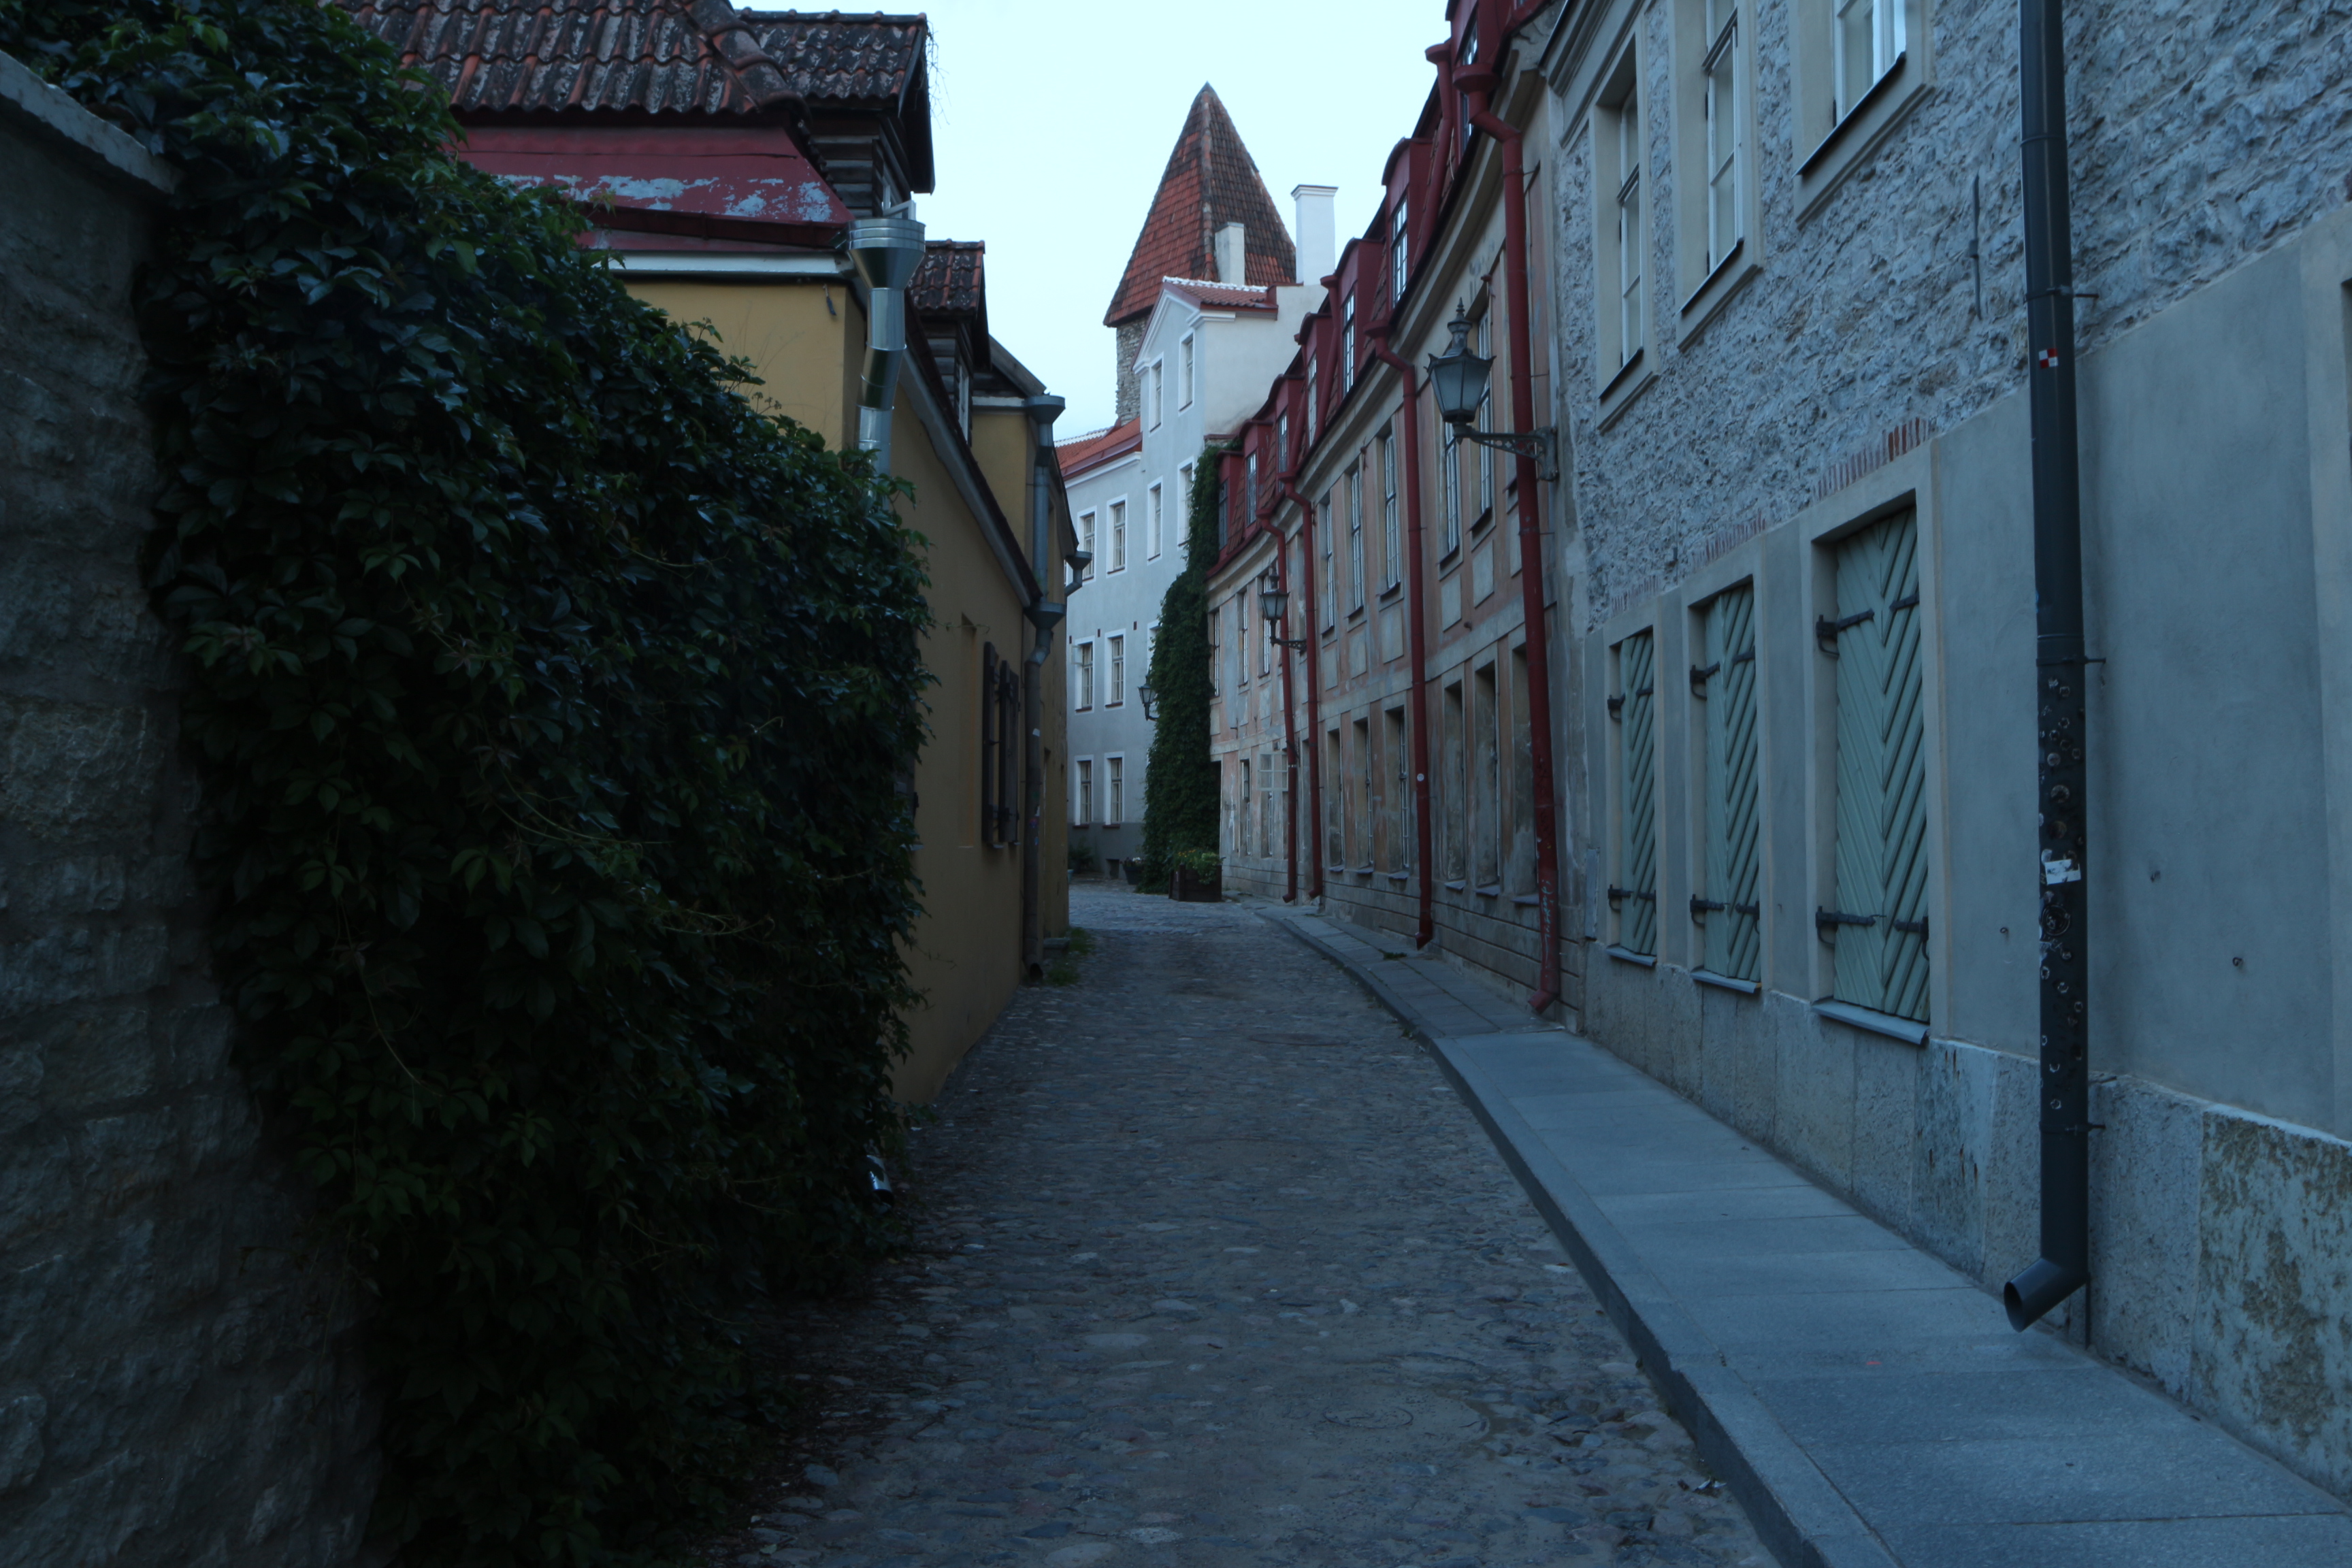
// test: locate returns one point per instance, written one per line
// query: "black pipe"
(2064, 1266)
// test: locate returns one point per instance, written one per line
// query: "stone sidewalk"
(1868, 1403)
(1215, 1269)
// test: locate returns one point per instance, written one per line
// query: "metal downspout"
(1289, 728)
(1314, 681)
(2062, 803)
(1417, 634)
(1478, 81)
(1045, 615)
(886, 252)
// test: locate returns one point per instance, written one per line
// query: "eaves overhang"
(709, 183)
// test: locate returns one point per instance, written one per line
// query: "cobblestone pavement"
(1216, 1269)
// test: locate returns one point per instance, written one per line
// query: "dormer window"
(1398, 262)
(1347, 346)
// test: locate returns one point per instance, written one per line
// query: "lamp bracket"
(1542, 445)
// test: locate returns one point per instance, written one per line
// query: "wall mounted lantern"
(1274, 600)
(1149, 697)
(1458, 377)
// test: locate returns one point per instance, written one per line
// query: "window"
(1118, 536)
(1391, 542)
(1155, 518)
(1356, 538)
(1486, 782)
(1082, 795)
(1265, 828)
(1348, 345)
(1114, 791)
(1629, 228)
(1725, 132)
(1241, 641)
(1399, 262)
(1879, 927)
(1453, 851)
(1520, 864)
(1241, 792)
(1114, 691)
(1313, 412)
(1252, 482)
(1330, 573)
(1184, 486)
(1335, 848)
(1396, 769)
(1086, 674)
(1449, 464)
(1086, 543)
(1486, 421)
(1867, 38)
(1361, 826)
(1621, 237)
(1184, 372)
(1158, 392)
(1727, 910)
(1000, 749)
(1282, 442)
(1634, 894)
(1216, 621)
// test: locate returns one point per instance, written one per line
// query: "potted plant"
(1197, 877)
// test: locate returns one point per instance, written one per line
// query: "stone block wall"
(178, 1380)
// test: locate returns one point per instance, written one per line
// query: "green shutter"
(1733, 942)
(1882, 773)
(1637, 899)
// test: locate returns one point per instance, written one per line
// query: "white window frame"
(1082, 791)
(1450, 481)
(1155, 513)
(1840, 119)
(1323, 526)
(1114, 675)
(1485, 422)
(1355, 481)
(1114, 789)
(1621, 235)
(1186, 370)
(1157, 392)
(1391, 536)
(1400, 260)
(1715, 136)
(1086, 543)
(1347, 345)
(1116, 527)
(1082, 689)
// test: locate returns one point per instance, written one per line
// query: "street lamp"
(1145, 695)
(1458, 377)
(1274, 600)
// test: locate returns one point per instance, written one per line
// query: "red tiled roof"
(1210, 182)
(1076, 457)
(948, 281)
(649, 55)
(652, 56)
(833, 58)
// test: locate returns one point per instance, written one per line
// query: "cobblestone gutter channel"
(1216, 1268)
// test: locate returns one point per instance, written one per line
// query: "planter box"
(1187, 888)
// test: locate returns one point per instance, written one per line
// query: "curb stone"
(1802, 1517)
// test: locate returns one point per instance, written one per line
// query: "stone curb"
(1802, 1517)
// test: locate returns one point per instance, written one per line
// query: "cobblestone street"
(1216, 1268)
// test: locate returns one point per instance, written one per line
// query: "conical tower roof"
(1211, 180)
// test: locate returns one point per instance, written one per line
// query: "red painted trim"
(1531, 576)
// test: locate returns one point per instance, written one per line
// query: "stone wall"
(178, 1383)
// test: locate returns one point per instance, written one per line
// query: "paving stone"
(1216, 1269)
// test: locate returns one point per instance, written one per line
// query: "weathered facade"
(179, 1380)
(723, 163)
(1793, 372)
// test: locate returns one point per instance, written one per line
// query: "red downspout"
(1289, 723)
(1382, 351)
(1478, 81)
(1314, 678)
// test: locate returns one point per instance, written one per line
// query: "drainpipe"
(1045, 615)
(1289, 724)
(1416, 632)
(2065, 1265)
(1289, 485)
(1478, 81)
(886, 250)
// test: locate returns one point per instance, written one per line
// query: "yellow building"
(754, 172)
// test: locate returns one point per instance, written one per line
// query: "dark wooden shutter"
(1637, 897)
(1880, 925)
(1727, 682)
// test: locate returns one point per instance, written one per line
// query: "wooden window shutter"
(1729, 910)
(1880, 924)
(1637, 772)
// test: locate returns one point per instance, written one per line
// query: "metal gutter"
(1416, 632)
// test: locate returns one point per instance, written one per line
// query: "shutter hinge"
(1826, 921)
(1618, 895)
(1699, 676)
(1825, 630)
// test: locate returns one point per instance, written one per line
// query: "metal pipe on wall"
(886, 252)
(1289, 483)
(2062, 799)
(1417, 608)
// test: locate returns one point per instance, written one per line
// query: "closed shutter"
(1637, 898)
(1728, 680)
(1880, 924)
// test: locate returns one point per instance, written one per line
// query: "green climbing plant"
(547, 699)
(1180, 809)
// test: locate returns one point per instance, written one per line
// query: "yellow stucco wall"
(805, 340)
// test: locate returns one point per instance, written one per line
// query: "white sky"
(1053, 118)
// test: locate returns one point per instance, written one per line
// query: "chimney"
(1233, 253)
(1318, 249)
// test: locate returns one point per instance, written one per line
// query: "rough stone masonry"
(1215, 1269)
(177, 1384)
